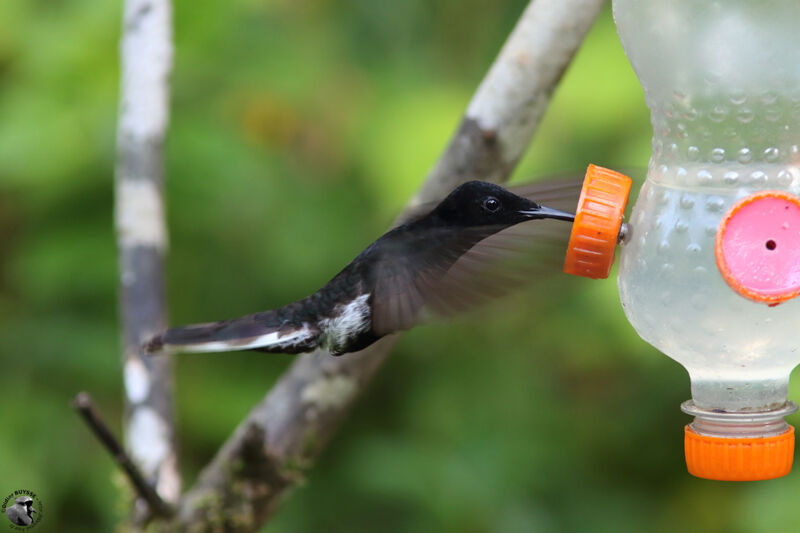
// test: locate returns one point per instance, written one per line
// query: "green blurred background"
(303, 126)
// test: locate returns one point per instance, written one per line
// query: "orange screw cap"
(748, 459)
(590, 252)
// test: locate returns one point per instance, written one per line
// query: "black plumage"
(438, 261)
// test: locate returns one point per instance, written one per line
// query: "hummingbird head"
(479, 203)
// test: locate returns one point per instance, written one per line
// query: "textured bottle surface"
(673, 293)
(721, 82)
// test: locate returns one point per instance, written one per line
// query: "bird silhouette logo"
(23, 509)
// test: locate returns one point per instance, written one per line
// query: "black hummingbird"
(412, 268)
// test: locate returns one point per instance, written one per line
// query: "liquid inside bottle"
(722, 83)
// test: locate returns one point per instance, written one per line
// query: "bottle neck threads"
(740, 424)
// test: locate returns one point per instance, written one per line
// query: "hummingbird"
(426, 263)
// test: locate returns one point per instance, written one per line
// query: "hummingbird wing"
(504, 262)
(445, 271)
(407, 268)
(559, 194)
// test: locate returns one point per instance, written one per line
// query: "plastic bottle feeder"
(710, 264)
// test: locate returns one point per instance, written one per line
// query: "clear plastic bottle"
(722, 83)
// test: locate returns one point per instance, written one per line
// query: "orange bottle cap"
(598, 219)
(731, 459)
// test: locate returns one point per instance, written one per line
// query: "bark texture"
(146, 62)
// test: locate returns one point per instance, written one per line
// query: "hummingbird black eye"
(491, 204)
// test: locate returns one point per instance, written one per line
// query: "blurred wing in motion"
(559, 194)
(409, 272)
(445, 273)
(527, 253)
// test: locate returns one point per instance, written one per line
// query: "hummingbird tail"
(263, 332)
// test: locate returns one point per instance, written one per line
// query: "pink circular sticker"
(758, 247)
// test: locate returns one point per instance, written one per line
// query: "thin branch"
(284, 433)
(84, 405)
(146, 63)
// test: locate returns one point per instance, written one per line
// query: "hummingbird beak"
(546, 212)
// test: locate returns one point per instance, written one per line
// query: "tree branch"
(85, 406)
(146, 62)
(505, 111)
(283, 434)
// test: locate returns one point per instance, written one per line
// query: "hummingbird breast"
(348, 326)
